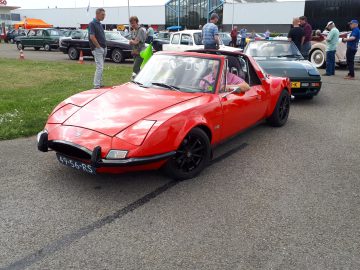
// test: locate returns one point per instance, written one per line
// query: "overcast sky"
(83, 3)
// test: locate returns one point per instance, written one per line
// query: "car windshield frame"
(268, 54)
(165, 69)
(115, 36)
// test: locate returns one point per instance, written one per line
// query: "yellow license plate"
(295, 85)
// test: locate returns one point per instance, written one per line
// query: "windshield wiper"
(171, 87)
(139, 83)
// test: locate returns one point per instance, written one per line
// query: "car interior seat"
(235, 66)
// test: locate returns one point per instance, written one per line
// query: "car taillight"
(317, 84)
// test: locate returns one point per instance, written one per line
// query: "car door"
(243, 110)
(27, 41)
(38, 38)
(186, 42)
(175, 43)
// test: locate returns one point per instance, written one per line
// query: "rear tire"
(281, 112)
(318, 58)
(192, 156)
(117, 56)
(47, 47)
(73, 53)
(19, 46)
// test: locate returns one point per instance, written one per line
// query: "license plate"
(75, 164)
(295, 85)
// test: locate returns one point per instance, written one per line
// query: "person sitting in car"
(318, 36)
(232, 80)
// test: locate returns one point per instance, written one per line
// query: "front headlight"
(136, 133)
(116, 154)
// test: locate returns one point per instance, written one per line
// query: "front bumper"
(77, 152)
(308, 90)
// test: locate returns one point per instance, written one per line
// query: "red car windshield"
(180, 73)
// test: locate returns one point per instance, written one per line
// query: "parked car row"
(118, 48)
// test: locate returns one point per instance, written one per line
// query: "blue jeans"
(210, 46)
(350, 56)
(99, 56)
(330, 62)
(243, 43)
(305, 49)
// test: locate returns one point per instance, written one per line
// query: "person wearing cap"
(210, 33)
(352, 45)
(331, 43)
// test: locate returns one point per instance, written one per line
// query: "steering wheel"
(206, 81)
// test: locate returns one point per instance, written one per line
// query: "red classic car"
(170, 116)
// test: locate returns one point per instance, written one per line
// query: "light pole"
(128, 9)
(232, 22)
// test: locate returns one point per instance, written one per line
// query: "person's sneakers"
(348, 77)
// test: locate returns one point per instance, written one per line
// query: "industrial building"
(257, 15)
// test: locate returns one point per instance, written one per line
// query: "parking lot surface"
(8, 50)
(274, 198)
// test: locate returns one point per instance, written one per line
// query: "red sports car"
(170, 116)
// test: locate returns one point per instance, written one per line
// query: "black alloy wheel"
(281, 112)
(191, 157)
(117, 56)
(73, 53)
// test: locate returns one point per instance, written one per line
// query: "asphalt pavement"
(274, 198)
(10, 51)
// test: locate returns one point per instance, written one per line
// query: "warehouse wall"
(73, 17)
(263, 13)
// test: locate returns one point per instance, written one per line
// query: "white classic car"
(318, 51)
(190, 40)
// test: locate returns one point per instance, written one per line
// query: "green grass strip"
(29, 90)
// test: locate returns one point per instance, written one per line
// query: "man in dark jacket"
(296, 34)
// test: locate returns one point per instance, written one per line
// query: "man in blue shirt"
(352, 46)
(243, 32)
(210, 33)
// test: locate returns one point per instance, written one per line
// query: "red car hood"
(123, 106)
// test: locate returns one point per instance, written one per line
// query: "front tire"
(117, 56)
(318, 58)
(47, 47)
(281, 112)
(73, 53)
(192, 156)
(19, 46)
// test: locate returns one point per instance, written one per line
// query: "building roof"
(8, 8)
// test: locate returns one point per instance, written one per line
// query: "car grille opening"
(70, 150)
